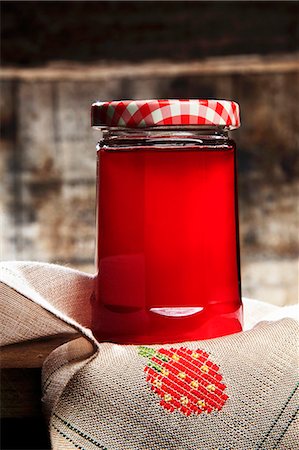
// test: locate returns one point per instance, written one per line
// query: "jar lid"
(153, 113)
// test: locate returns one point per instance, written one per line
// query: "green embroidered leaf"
(151, 352)
(162, 357)
(146, 352)
(155, 366)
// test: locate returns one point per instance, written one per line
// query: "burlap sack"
(236, 392)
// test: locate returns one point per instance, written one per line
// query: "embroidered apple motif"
(184, 379)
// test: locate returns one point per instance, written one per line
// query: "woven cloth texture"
(235, 392)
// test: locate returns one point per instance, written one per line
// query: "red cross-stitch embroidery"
(184, 379)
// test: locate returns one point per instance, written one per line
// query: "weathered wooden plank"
(31, 354)
(10, 185)
(231, 65)
(36, 134)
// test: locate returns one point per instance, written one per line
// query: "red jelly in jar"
(167, 221)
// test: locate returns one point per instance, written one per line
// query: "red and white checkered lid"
(153, 113)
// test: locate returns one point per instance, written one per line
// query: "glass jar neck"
(182, 135)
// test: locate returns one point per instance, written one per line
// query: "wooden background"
(48, 157)
(58, 57)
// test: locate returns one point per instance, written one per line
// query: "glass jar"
(167, 221)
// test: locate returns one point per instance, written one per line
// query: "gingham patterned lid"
(152, 113)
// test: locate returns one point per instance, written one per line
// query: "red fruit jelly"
(167, 240)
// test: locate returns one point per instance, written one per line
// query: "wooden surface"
(21, 393)
(29, 355)
(23, 425)
(21, 376)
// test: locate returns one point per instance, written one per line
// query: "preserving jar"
(167, 221)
